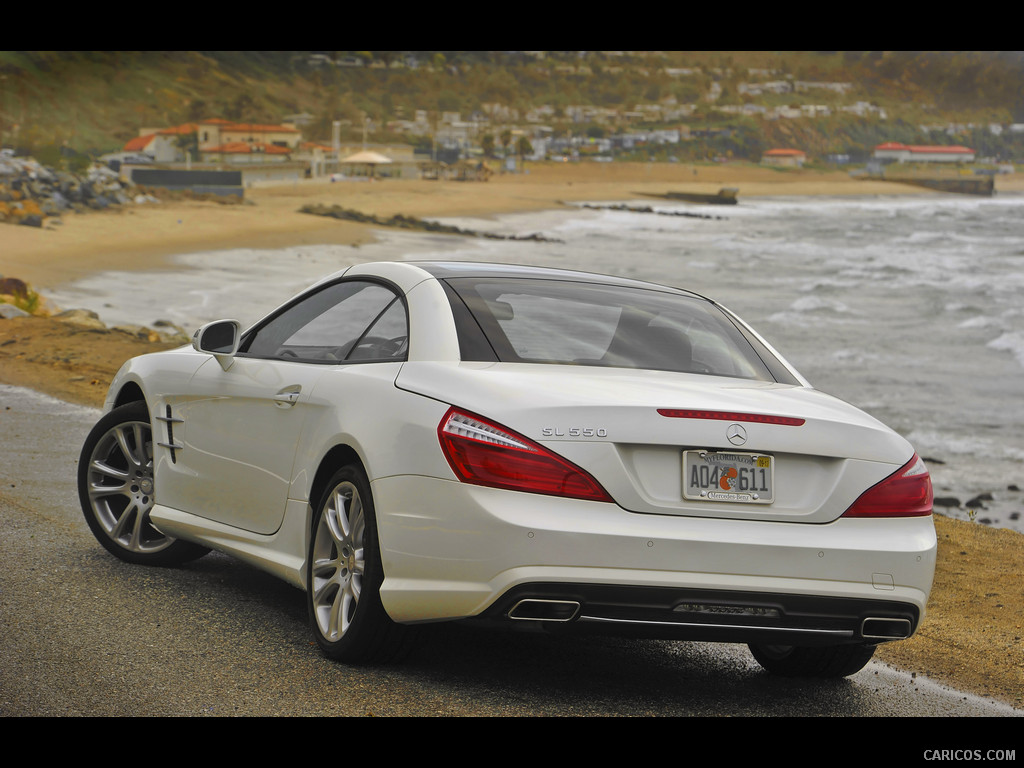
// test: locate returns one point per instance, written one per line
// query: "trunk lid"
(607, 421)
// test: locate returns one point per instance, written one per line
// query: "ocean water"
(910, 307)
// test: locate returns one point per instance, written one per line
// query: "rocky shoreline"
(15, 295)
(31, 193)
(401, 221)
(36, 195)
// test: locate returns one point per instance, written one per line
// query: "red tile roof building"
(217, 135)
(788, 157)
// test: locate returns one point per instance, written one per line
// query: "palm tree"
(523, 148)
(506, 139)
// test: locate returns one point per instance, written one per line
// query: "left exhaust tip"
(535, 609)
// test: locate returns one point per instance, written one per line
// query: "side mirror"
(220, 339)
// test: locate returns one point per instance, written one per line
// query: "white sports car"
(422, 442)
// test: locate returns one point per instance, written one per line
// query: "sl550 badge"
(574, 432)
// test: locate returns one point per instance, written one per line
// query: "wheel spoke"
(121, 435)
(108, 471)
(325, 567)
(120, 525)
(139, 527)
(101, 491)
(336, 522)
(356, 585)
(355, 514)
(346, 608)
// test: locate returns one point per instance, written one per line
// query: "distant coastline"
(144, 236)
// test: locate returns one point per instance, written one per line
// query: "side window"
(351, 320)
(387, 338)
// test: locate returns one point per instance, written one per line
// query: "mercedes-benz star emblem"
(736, 434)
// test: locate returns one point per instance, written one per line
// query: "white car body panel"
(226, 418)
(451, 557)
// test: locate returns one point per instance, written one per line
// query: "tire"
(344, 574)
(823, 662)
(115, 488)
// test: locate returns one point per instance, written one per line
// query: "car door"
(239, 428)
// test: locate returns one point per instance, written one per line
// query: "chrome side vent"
(172, 446)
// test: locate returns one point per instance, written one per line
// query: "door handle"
(288, 396)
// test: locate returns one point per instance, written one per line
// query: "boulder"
(83, 317)
(12, 286)
(7, 311)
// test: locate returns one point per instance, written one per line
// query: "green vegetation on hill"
(94, 101)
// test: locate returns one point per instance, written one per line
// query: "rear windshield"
(571, 323)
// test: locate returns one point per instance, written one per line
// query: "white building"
(911, 153)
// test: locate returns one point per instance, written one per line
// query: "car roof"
(455, 269)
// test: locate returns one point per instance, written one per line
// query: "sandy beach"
(967, 641)
(143, 236)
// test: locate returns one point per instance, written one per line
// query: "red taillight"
(484, 453)
(905, 493)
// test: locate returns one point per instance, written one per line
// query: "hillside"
(93, 101)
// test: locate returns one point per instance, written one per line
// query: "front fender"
(155, 375)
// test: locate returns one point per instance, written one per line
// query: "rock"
(977, 500)
(12, 286)
(7, 311)
(83, 317)
(946, 501)
(139, 332)
(169, 329)
(29, 192)
(51, 207)
(402, 221)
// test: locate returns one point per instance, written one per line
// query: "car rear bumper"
(452, 550)
(706, 615)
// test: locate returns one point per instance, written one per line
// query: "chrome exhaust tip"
(873, 628)
(535, 609)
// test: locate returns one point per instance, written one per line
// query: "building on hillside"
(790, 158)
(217, 132)
(910, 153)
(158, 146)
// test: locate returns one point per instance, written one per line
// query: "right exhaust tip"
(873, 628)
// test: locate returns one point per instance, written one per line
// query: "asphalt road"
(87, 635)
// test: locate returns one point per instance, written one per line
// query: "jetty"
(724, 196)
(962, 185)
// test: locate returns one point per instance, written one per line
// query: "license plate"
(744, 478)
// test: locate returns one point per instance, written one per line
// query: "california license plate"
(744, 478)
